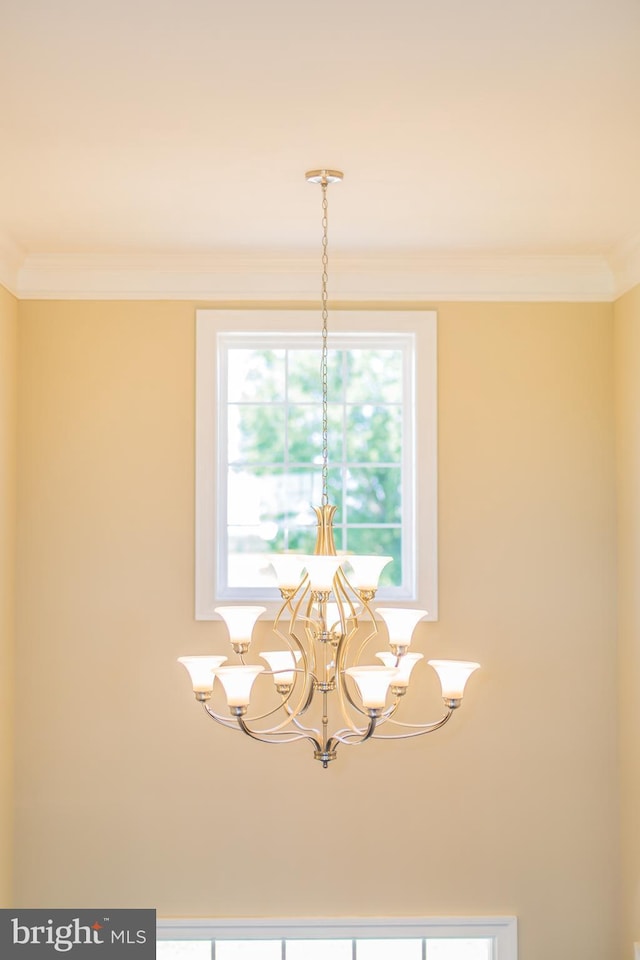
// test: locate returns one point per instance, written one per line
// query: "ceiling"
(172, 136)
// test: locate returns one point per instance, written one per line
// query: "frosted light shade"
(333, 613)
(366, 571)
(288, 568)
(237, 682)
(200, 670)
(401, 622)
(372, 683)
(240, 621)
(404, 668)
(453, 676)
(282, 663)
(322, 570)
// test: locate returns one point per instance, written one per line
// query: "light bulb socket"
(320, 596)
(325, 686)
(374, 712)
(284, 688)
(399, 649)
(366, 595)
(452, 702)
(240, 646)
(398, 690)
(202, 695)
(238, 711)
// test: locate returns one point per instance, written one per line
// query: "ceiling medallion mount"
(324, 176)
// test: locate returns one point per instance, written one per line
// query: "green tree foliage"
(275, 432)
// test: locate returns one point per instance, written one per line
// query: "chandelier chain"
(323, 363)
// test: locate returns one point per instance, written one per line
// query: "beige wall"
(8, 422)
(627, 378)
(128, 796)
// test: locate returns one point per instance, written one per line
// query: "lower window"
(492, 938)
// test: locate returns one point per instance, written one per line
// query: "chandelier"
(326, 686)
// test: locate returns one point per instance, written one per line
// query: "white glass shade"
(404, 668)
(453, 676)
(333, 613)
(200, 670)
(237, 682)
(240, 621)
(288, 568)
(401, 622)
(372, 683)
(322, 570)
(282, 663)
(366, 571)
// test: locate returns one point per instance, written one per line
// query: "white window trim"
(209, 323)
(503, 931)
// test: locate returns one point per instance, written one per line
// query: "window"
(258, 450)
(475, 938)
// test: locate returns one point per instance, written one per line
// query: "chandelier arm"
(308, 664)
(261, 739)
(423, 728)
(335, 739)
(292, 716)
(302, 727)
(308, 655)
(224, 721)
(308, 668)
(343, 693)
(372, 633)
(307, 703)
(301, 708)
(352, 730)
(288, 605)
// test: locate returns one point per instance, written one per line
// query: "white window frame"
(422, 508)
(501, 931)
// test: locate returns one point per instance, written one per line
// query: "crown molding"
(12, 257)
(624, 262)
(411, 278)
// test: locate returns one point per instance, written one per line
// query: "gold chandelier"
(326, 629)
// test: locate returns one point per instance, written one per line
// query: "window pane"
(305, 379)
(256, 433)
(386, 542)
(373, 495)
(374, 434)
(255, 498)
(304, 433)
(374, 375)
(319, 950)
(389, 949)
(183, 950)
(248, 949)
(255, 375)
(459, 949)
